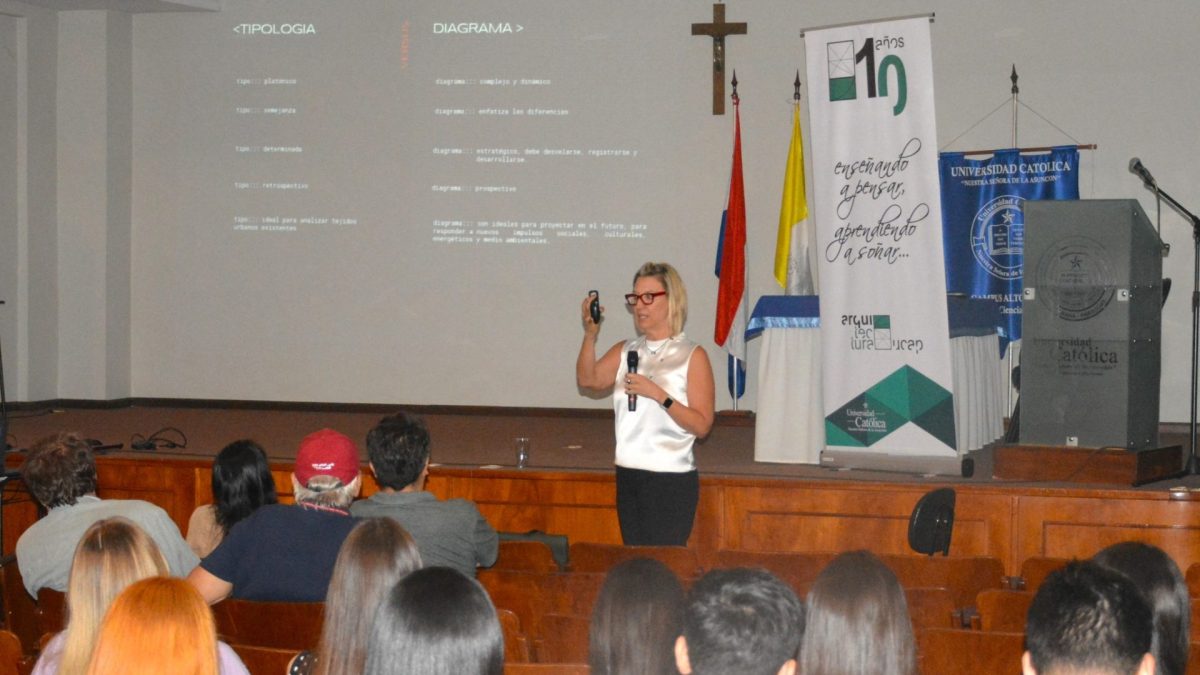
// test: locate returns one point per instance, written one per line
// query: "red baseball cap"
(326, 453)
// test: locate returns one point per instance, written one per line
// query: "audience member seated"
(112, 554)
(161, 625)
(1088, 620)
(241, 482)
(857, 621)
(742, 621)
(60, 473)
(376, 555)
(1161, 582)
(436, 621)
(286, 553)
(450, 533)
(636, 619)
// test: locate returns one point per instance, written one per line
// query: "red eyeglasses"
(631, 299)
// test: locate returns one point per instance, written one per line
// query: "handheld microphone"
(1138, 169)
(631, 360)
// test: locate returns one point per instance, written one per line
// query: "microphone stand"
(1192, 467)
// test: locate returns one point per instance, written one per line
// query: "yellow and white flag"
(792, 268)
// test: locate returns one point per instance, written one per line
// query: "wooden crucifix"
(717, 30)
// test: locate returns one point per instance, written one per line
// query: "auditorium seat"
(546, 669)
(1035, 570)
(525, 556)
(946, 651)
(574, 592)
(516, 645)
(292, 626)
(523, 593)
(965, 576)
(265, 660)
(1193, 664)
(20, 611)
(11, 655)
(588, 557)
(798, 570)
(1193, 580)
(51, 611)
(932, 608)
(1002, 610)
(564, 639)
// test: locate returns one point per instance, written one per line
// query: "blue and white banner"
(983, 219)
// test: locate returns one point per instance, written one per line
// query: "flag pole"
(737, 362)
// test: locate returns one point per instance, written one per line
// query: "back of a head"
(743, 621)
(112, 554)
(858, 621)
(377, 553)
(1162, 583)
(158, 626)
(241, 482)
(59, 470)
(436, 621)
(1086, 618)
(636, 619)
(326, 472)
(398, 447)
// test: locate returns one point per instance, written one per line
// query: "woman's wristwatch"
(666, 404)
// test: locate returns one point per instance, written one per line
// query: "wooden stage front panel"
(1011, 523)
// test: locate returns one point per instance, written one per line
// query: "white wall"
(324, 316)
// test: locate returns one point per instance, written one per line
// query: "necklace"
(654, 350)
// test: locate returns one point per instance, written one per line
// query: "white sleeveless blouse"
(648, 438)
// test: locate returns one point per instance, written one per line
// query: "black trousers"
(656, 508)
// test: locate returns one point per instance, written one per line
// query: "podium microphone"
(631, 360)
(1138, 169)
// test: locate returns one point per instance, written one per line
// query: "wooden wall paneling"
(579, 505)
(834, 517)
(1078, 524)
(168, 482)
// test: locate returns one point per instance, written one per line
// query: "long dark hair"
(377, 553)
(636, 619)
(1158, 578)
(241, 482)
(436, 621)
(858, 621)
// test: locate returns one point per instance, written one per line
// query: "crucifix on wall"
(717, 30)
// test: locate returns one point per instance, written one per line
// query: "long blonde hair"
(112, 554)
(157, 626)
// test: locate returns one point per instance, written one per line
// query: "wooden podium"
(1111, 466)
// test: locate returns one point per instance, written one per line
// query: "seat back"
(964, 576)
(798, 570)
(546, 669)
(1035, 570)
(564, 639)
(947, 650)
(589, 557)
(525, 556)
(51, 611)
(516, 645)
(931, 608)
(294, 626)
(1003, 611)
(20, 611)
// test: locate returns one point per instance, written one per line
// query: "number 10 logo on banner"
(843, 70)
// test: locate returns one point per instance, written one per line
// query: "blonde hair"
(112, 554)
(677, 304)
(157, 626)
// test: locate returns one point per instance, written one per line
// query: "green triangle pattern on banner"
(904, 396)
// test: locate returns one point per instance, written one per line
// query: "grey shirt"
(450, 533)
(45, 550)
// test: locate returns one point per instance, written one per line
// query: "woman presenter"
(662, 394)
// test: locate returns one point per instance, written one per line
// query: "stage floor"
(570, 440)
